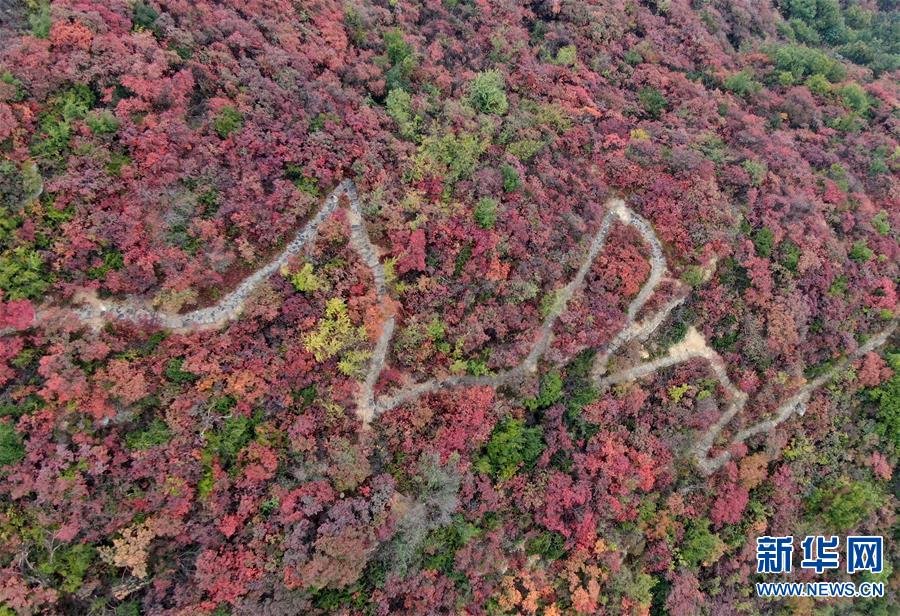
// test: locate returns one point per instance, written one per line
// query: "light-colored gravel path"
(96, 312)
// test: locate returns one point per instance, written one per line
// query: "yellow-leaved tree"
(337, 336)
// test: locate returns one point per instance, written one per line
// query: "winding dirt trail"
(229, 307)
(694, 346)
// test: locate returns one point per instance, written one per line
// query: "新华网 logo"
(820, 553)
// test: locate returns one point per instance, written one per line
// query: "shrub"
(436, 487)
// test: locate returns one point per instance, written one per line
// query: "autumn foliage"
(164, 150)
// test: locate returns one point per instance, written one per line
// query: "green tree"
(881, 224)
(174, 372)
(764, 241)
(22, 274)
(566, 56)
(399, 107)
(227, 121)
(441, 544)
(102, 122)
(70, 564)
(144, 16)
(699, 543)
(487, 93)
(550, 392)
(756, 170)
(796, 62)
(11, 448)
(548, 545)
(451, 156)
(804, 9)
(39, 18)
(860, 252)
(511, 180)
(511, 446)
(486, 213)
(742, 83)
(790, 255)
(653, 102)
(400, 57)
(51, 144)
(844, 503)
(156, 433)
(817, 84)
(226, 442)
(887, 395)
(854, 98)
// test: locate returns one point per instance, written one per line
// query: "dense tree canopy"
(165, 150)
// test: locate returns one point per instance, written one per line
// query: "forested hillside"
(155, 154)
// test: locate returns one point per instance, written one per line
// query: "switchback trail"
(96, 312)
(229, 307)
